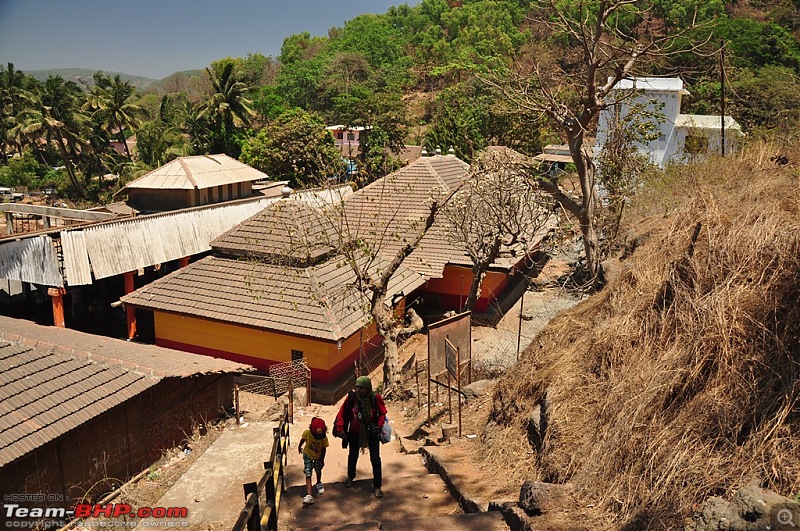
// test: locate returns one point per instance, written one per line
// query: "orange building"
(264, 299)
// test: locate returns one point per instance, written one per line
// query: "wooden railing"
(258, 517)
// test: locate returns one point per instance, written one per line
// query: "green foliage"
(755, 44)
(681, 14)
(767, 98)
(468, 117)
(371, 36)
(22, 171)
(227, 110)
(297, 147)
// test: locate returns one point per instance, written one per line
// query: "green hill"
(83, 76)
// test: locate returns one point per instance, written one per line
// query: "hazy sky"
(154, 38)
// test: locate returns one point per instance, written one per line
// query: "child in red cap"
(315, 439)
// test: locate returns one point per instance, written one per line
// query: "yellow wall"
(215, 338)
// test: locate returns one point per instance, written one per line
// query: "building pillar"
(9, 223)
(57, 294)
(184, 261)
(130, 311)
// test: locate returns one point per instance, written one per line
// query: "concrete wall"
(121, 442)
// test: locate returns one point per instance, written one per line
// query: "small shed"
(192, 181)
(81, 414)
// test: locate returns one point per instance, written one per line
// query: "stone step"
(491, 521)
(405, 498)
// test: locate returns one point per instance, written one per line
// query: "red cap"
(317, 426)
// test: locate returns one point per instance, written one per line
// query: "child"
(315, 440)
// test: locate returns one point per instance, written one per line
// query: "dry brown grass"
(681, 379)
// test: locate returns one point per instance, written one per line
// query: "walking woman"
(359, 423)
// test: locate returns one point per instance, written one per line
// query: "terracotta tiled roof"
(200, 172)
(288, 231)
(317, 301)
(53, 380)
(389, 211)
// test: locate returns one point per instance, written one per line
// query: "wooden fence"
(263, 499)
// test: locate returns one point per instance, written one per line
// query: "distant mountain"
(83, 76)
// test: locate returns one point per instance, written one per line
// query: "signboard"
(451, 358)
(457, 330)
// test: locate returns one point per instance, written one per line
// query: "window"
(297, 355)
(696, 145)
(230, 191)
(339, 135)
(351, 136)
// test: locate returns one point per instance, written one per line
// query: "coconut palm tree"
(110, 102)
(12, 95)
(53, 116)
(227, 108)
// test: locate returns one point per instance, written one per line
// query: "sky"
(154, 38)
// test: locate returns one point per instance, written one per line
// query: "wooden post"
(254, 523)
(428, 372)
(519, 328)
(184, 261)
(308, 389)
(57, 294)
(449, 398)
(416, 375)
(458, 386)
(130, 311)
(236, 401)
(291, 399)
(9, 223)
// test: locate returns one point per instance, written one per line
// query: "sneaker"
(378, 493)
(348, 482)
(320, 488)
(308, 498)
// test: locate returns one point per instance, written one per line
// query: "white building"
(681, 137)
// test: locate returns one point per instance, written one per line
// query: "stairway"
(414, 500)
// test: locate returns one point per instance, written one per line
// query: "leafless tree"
(374, 232)
(496, 210)
(608, 40)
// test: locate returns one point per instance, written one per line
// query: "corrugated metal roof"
(53, 380)
(117, 247)
(202, 171)
(31, 260)
(76, 258)
(318, 301)
(127, 245)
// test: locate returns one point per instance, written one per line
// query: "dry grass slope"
(681, 379)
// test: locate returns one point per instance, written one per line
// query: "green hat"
(364, 381)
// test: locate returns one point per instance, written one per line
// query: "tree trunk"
(68, 163)
(391, 365)
(479, 272)
(585, 169)
(121, 134)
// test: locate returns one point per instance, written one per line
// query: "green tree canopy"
(296, 147)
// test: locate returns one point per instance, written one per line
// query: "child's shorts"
(309, 464)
